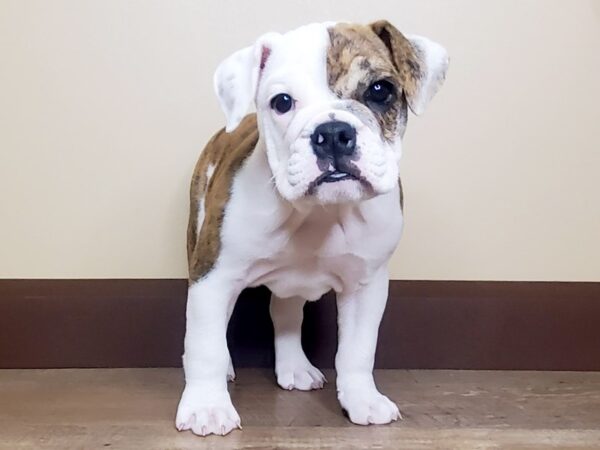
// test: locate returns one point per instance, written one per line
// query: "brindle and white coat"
(261, 215)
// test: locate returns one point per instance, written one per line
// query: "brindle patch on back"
(362, 54)
(225, 153)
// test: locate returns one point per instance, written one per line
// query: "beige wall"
(104, 106)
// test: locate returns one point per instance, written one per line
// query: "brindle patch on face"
(405, 56)
(225, 152)
(360, 55)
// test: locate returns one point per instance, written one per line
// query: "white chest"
(310, 252)
(337, 249)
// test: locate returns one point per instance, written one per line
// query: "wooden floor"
(134, 408)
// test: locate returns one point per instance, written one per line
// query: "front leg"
(205, 406)
(359, 315)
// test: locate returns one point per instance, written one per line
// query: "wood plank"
(134, 408)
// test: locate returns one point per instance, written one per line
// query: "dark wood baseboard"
(427, 324)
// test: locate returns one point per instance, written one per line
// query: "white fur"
(201, 201)
(201, 211)
(236, 80)
(209, 172)
(359, 314)
(435, 59)
(205, 406)
(292, 367)
(300, 247)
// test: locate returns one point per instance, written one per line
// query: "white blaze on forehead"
(297, 66)
(298, 61)
(239, 78)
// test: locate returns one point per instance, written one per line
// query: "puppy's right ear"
(422, 63)
(236, 79)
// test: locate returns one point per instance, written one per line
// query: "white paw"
(230, 371)
(206, 413)
(302, 376)
(368, 406)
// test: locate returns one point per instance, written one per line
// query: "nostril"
(333, 138)
(319, 139)
(346, 139)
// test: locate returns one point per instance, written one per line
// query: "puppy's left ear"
(422, 63)
(236, 79)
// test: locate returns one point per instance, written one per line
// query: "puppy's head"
(332, 102)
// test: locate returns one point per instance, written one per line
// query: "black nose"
(334, 138)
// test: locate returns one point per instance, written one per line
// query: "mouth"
(334, 176)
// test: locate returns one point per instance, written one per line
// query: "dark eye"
(282, 103)
(381, 93)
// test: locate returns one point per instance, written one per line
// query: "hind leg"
(292, 367)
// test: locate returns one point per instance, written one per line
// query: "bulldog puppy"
(303, 197)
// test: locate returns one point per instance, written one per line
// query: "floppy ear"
(236, 80)
(422, 63)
